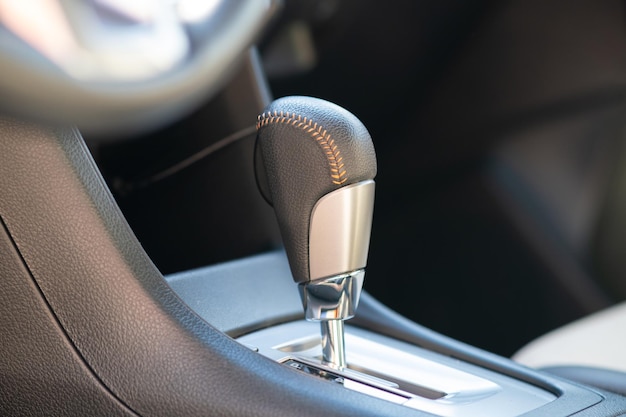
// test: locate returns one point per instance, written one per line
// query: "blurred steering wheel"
(110, 65)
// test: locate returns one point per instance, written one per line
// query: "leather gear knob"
(307, 148)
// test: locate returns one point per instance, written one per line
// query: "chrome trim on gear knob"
(334, 298)
(339, 233)
(330, 301)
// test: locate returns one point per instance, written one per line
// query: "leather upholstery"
(593, 341)
(139, 347)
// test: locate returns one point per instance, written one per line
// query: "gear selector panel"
(401, 373)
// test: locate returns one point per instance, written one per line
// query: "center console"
(388, 356)
(315, 164)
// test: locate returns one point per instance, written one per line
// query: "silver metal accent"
(352, 380)
(405, 374)
(334, 298)
(339, 238)
(330, 301)
(339, 233)
(333, 344)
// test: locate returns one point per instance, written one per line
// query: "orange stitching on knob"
(322, 137)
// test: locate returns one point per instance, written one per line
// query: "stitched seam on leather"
(338, 172)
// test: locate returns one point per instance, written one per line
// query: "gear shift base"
(333, 344)
(330, 301)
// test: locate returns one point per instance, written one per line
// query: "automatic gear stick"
(315, 164)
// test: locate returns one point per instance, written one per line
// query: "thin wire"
(125, 186)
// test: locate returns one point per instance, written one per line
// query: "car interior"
(313, 207)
